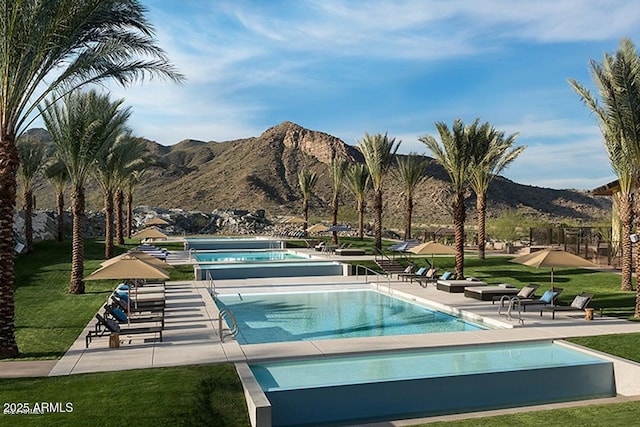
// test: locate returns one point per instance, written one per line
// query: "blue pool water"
(267, 318)
(231, 243)
(341, 390)
(262, 269)
(247, 256)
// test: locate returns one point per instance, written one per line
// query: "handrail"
(513, 301)
(211, 285)
(191, 252)
(234, 325)
(378, 275)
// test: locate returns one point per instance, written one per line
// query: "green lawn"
(48, 320)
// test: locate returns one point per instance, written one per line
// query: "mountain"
(262, 173)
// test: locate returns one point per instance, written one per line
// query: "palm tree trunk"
(334, 218)
(459, 216)
(626, 222)
(305, 215)
(60, 209)
(361, 219)
(481, 207)
(129, 213)
(377, 220)
(119, 219)
(407, 217)
(27, 201)
(108, 229)
(76, 285)
(9, 163)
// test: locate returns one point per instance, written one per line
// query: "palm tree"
(410, 174)
(82, 127)
(130, 183)
(132, 162)
(32, 155)
(358, 181)
(493, 153)
(456, 157)
(57, 174)
(337, 168)
(617, 112)
(307, 180)
(59, 46)
(378, 151)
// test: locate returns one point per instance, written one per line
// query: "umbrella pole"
(553, 302)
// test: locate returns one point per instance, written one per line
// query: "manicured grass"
(182, 396)
(622, 345)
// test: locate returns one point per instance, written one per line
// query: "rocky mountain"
(262, 173)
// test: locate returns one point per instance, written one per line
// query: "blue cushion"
(446, 275)
(548, 296)
(421, 271)
(123, 287)
(123, 295)
(119, 314)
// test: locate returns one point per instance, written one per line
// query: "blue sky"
(348, 67)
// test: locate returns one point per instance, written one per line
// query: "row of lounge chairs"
(142, 307)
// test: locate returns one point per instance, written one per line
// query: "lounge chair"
(136, 308)
(429, 277)
(547, 298)
(579, 303)
(408, 273)
(108, 326)
(120, 316)
(526, 292)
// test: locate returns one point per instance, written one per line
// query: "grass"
(48, 320)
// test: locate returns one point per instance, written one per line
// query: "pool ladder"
(512, 302)
(225, 312)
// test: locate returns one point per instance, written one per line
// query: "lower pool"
(303, 316)
(374, 387)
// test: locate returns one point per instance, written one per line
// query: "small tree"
(337, 168)
(358, 181)
(307, 180)
(57, 174)
(410, 173)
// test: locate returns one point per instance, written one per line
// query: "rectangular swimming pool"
(303, 316)
(231, 243)
(374, 387)
(247, 256)
(258, 269)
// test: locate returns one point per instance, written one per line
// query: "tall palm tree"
(130, 183)
(132, 161)
(58, 176)
(378, 151)
(493, 153)
(59, 46)
(307, 180)
(32, 155)
(337, 168)
(456, 157)
(82, 126)
(107, 170)
(617, 113)
(410, 173)
(358, 181)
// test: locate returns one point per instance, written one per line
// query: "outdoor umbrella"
(156, 221)
(317, 228)
(149, 259)
(338, 228)
(404, 246)
(128, 267)
(552, 258)
(150, 233)
(432, 248)
(294, 220)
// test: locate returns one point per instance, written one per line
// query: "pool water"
(247, 256)
(268, 318)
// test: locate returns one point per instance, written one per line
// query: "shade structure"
(294, 220)
(156, 221)
(432, 248)
(150, 233)
(149, 259)
(338, 228)
(317, 228)
(552, 258)
(128, 267)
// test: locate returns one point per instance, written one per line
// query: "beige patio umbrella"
(294, 220)
(432, 248)
(128, 267)
(317, 228)
(149, 259)
(552, 258)
(150, 233)
(156, 221)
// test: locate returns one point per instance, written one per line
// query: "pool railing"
(377, 275)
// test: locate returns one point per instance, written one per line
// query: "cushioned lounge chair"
(428, 277)
(108, 326)
(137, 308)
(579, 303)
(547, 298)
(121, 317)
(526, 292)
(408, 272)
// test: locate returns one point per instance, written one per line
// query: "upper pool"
(302, 316)
(247, 256)
(231, 243)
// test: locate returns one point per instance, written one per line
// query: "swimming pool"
(257, 269)
(303, 316)
(247, 256)
(231, 243)
(375, 387)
